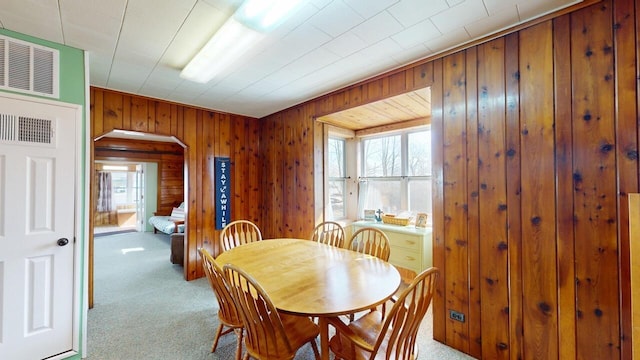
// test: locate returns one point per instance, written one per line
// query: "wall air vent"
(23, 130)
(29, 68)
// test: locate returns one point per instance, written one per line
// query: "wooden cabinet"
(410, 247)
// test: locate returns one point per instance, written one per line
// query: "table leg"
(324, 338)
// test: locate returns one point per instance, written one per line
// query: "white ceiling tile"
(298, 43)
(498, 21)
(413, 54)
(410, 12)
(417, 34)
(320, 3)
(196, 30)
(32, 18)
(460, 15)
(369, 8)
(494, 6)
(377, 28)
(448, 40)
(336, 18)
(456, 2)
(345, 44)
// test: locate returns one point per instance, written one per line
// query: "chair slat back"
(265, 334)
(400, 328)
(371, 241)
(228, 312)
(330, 233)
(239, 232)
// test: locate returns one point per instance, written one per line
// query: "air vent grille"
(8, 129)
(26, 130)
(28, 68)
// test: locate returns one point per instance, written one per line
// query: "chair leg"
(239, 333)
(216, 338)
(314, 346)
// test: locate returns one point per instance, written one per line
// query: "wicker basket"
(393, 220)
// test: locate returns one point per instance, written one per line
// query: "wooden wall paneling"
(238, 175)
(273, 164)
(473, 210)
(179, 131)
(213, 130)
(191, 163)
(539, 259)
(112, 111)
(254, 174)
(595, 183)
(151, 123)
(304, 174)
(423, 75)
(291, 197)
(398, 83)
(126, 112)
(626, 149)
(634, 235)
(97, 115)
(437, 176)
(320, 133)
(455, 230)
(565, 237)
(356, 95)
(139, 114)
(493, 205)
(514, 201)
(163, 118)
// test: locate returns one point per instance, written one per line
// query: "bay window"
(396, 172)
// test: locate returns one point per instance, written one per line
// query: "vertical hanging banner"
(223, 192)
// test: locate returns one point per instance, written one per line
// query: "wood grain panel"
(594, 174)
(626, 147)
(493, 202)
(473, 206)
(455, 225)
(539, 294)
(437, 178)
(565, 237)
(139, 114)
(514, 200)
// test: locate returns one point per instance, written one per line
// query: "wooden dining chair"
(392, 336)
(270, 335)
(371, 241)
(330, 233)
(239, 232)
(228, 313)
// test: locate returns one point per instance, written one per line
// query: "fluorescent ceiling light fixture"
(263, 15)
(225, 47)
(244, 29)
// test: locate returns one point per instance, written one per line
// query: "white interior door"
(37, 228)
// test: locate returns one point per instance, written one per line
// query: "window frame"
(404, 176)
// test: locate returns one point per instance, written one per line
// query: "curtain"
(104, 191)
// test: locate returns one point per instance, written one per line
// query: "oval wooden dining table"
(303, 277)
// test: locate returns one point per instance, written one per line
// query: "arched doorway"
(167, 152)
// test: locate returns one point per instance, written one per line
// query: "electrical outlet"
(457, 316)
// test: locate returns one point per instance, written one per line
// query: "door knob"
(63, 241)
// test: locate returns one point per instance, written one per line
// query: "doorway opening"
(124, 196)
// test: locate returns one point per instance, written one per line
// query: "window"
(337, 178)
(396, 172)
